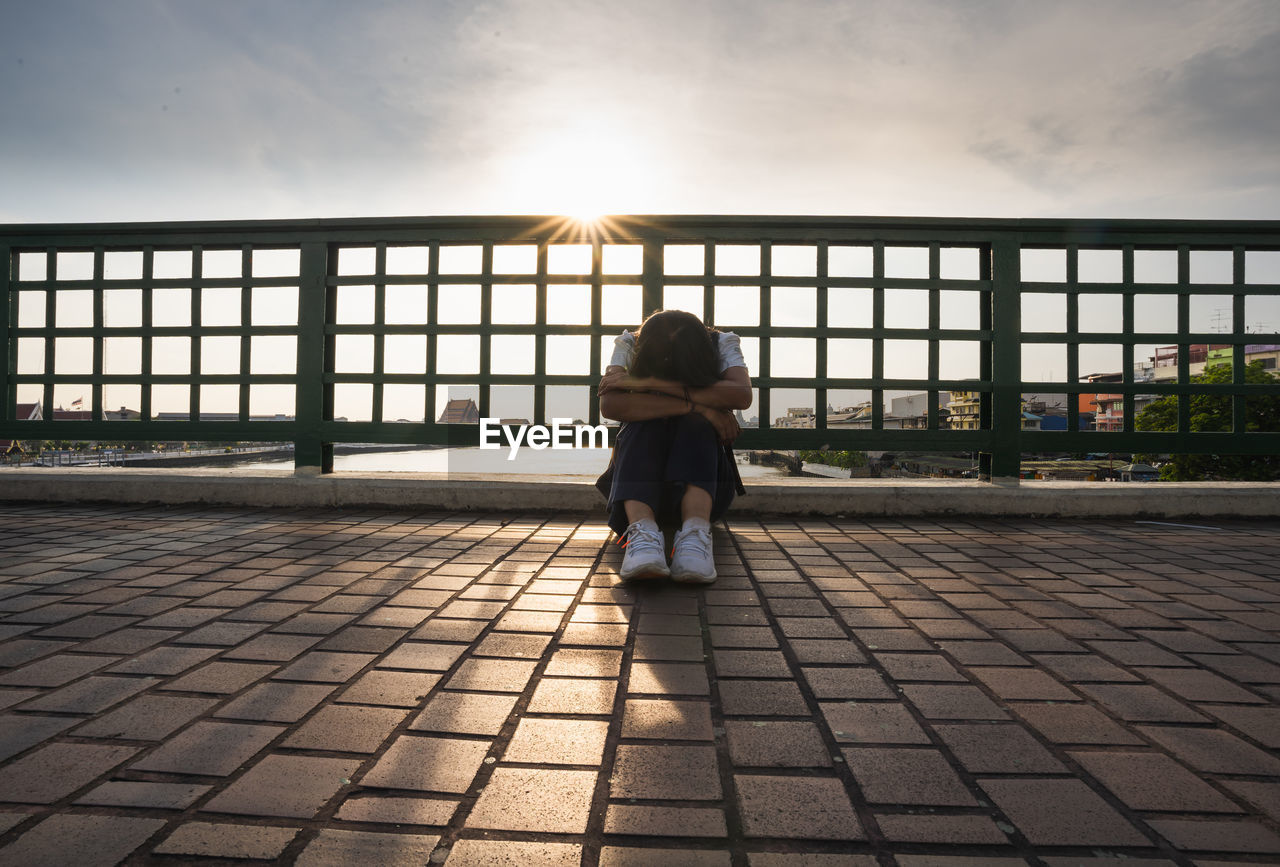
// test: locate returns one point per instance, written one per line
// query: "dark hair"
(675, 345)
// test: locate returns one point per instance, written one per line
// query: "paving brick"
(492, 675)
(91, 695)
(846, 682)
(872, 723)
(221, 678)
(1023, 683)
(346, 729)
(513, 853)
(208, 748)
(641, 820)
(742, 636)
(1084, 668)
(288, 786)
(276, 702)
(843, 652)
(55, 670)
(1200, 686)
(1265, 796)
(951, 830)
(584, 662)
(163, 796)
(393, 688)
(1140, 703)
(465, 713)
(684, 773)
(423, 656)
(322, 666)
(669, 648)
(513, 645)
(796, 807)
(54, 771)
(427, 764)
(1217, 835)
(535, 799)
(762, 698)
(667, 720)
(773, 744)
(86, 841)
(334, 847)
(19, 651)
(634, 856)
(668, 678)
(222, 840)
(1137, 653)
(1213, 750)
(1061, 813)
(20, 733)
(751, 663)
(919, 667)
(999, 748)
(361, 639)
(1075, 724)
(397, 810)
(272, 647)
(981, 653)
(1260, 723)
(557, 742)
(573, 696)
(592, 634)
(1153, 781)
(222, 634)
(952, 702)
(814, 859)
(906, 776)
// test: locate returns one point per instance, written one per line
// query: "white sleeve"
(624, 350)
(730, 346)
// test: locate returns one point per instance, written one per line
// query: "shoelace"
(701, 539)
(642, 533)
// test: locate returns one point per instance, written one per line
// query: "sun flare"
(581, 173)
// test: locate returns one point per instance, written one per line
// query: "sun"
(583, 174)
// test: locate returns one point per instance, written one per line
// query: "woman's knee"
(697, 424)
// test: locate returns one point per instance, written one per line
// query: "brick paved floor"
(386, 688)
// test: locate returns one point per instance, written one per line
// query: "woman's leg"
(696, 503)
(639, 457)
(638, 510)
(694, 461)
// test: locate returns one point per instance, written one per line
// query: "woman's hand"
(613, 380)
(723, 421)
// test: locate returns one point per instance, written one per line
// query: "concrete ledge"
(855, 498)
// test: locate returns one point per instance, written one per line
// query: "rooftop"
(331, 685)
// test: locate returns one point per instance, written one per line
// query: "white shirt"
(729, 346)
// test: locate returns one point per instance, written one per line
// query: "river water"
(547, 462)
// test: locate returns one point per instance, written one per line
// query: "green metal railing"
(179, 315)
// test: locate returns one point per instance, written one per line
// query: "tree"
(837, 458)
(1212, 412)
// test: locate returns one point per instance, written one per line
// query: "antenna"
(1220, 316)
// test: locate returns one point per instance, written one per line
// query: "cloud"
(146, 109)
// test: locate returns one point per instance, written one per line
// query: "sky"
(158, 110)
(178, 109)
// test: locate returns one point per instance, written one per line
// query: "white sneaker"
(691, 559)
(644, 557)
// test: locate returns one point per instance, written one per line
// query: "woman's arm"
(732, 391)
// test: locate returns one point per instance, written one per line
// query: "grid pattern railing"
(362, 330)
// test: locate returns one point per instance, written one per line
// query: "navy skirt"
(653, 461)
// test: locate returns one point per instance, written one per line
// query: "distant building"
(121, 414)
(22, 412)
(963, 412)
(462, 411)
(797, 416)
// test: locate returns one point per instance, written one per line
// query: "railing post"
(1006, 361)
(311, 455)
(8, 349)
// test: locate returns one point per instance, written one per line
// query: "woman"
(674, 385)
